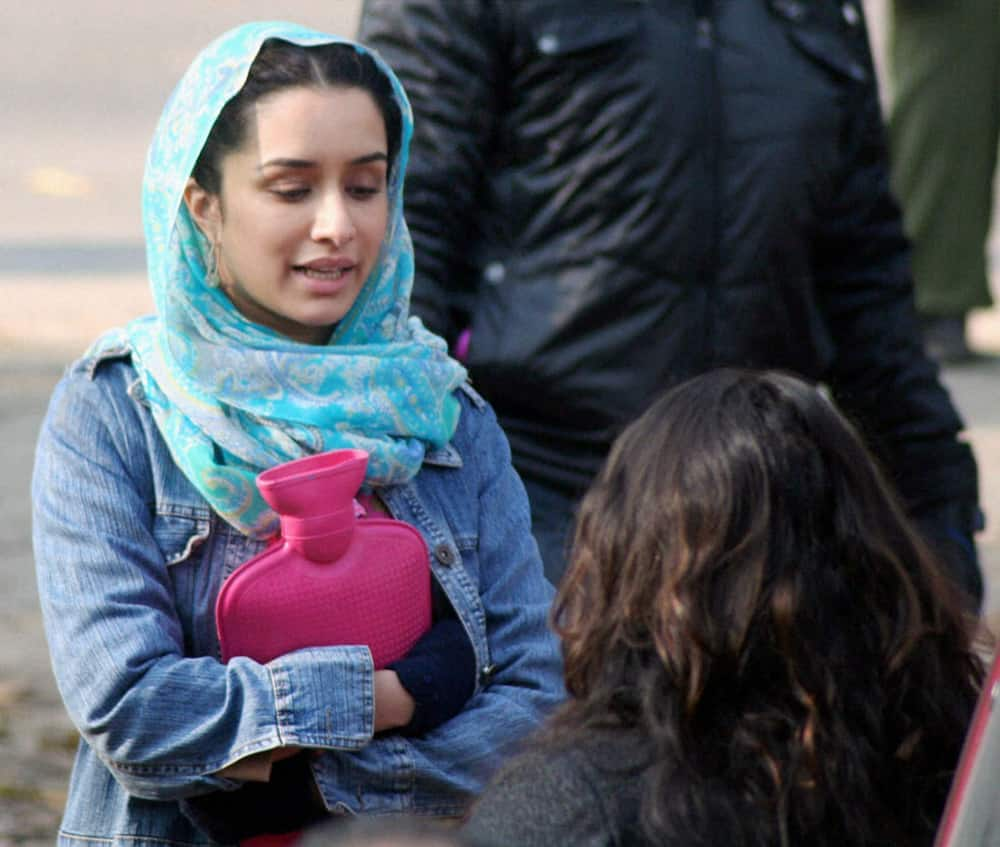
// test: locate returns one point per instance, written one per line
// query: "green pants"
(944, 62)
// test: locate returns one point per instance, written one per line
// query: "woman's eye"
(290, 193)
(362, 191)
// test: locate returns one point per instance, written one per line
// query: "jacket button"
(486, 674)
(494, 273)
(851, 14)
(548, 44)
(791, 9)
(444, 554)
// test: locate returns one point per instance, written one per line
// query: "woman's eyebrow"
(286, 163)
(371, 157)
(308, 163)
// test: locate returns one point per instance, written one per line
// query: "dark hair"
(280, 65)
(745, 590)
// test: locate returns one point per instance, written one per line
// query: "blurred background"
(83, 85)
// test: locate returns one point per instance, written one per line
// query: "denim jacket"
(130, 559)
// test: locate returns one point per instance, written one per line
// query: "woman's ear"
(206, 210)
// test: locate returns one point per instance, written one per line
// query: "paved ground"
(71, 264)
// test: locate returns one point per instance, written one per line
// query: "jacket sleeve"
(880, 376)
(439, 772)
(445, 54)
(161, 721)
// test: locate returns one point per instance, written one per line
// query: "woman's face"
(302, 211)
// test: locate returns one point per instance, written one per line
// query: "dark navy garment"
(616, 195)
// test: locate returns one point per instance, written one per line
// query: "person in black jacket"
(610, 196)
(759, 649)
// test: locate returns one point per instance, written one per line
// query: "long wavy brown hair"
(746, 592)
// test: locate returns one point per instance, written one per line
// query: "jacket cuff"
(324, 697)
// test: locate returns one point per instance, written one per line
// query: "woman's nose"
(333, 221)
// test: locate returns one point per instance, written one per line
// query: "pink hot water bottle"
(331, 577)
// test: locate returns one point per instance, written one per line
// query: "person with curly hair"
(759, 648)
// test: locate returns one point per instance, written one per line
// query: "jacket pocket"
(179, 530)
(825, 50)
(825, 42)
(181, 533)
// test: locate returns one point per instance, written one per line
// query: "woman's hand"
(289, 801)
(393, 704)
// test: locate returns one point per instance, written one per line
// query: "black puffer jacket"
(619, 194)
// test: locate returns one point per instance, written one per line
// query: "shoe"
(944, 339)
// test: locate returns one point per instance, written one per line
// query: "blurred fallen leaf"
(13, 691)
(19, 792)
(59, 739)
(54, 798)
(55, 182)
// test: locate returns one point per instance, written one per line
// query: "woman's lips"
(335, 273)
(326, 264)
(325, 275)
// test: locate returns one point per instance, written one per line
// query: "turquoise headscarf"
(233, 398)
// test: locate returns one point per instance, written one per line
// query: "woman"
(281, 269)
(758, 648)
